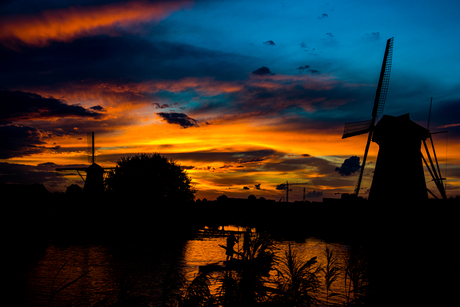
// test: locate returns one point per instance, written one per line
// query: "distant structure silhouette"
(94, 181)
(246, 242)
(361, 127)
(399, 173)
(286, 186)
(231, 240)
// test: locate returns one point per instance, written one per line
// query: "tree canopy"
(151, 175)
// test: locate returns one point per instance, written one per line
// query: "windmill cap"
(398, 129)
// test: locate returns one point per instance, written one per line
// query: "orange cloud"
(74, 22)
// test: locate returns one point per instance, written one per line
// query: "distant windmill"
(361, 127)
(94, 181)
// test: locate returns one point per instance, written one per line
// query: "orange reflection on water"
(210, 251)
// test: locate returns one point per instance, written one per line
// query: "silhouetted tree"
(150, 175)
(222, 198)
(74, 189)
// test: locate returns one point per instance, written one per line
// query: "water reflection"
(209, 251)
(105, 270)
(60, 266)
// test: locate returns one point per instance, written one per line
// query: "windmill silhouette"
(400, 150)
(94, 181)
(367, 126)
(399, 170)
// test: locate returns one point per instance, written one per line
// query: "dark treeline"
(76, 215)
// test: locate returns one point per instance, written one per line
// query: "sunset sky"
(245, 95)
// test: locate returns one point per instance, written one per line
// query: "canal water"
(87, 274)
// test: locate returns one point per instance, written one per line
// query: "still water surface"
(103, 269)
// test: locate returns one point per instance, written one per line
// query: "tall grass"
(356, 278)
(331, 272)
(63, 285)
(197, 294)
(294, 281)
(297, 281)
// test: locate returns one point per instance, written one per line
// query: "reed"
(197, 293)
(173, 285)
(63, 285)
(297, 282)
(331, 272)
(356, 278)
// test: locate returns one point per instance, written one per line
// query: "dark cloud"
(314, 194)
(98, 109)
(120, 59)
(18, 141)
(257, 186)
(29, 174)
(180, 119)
(269, 43)
(303, 67)
(245, 188)
(349, 166)
(262, 71)
(17, 106)
(228, 156)
(163, 106)
(281, 186)
(307, 68)
(14, 7)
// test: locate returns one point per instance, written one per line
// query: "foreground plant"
(297, 281)
(356, 278)
(331, 272)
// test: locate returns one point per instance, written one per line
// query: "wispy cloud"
(70, 23)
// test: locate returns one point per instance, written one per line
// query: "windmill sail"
(356, 128)
(367, 126)
(384, 80)
(379, 102)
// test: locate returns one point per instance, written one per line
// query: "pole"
(429, 115)
(92, 146)
(287, 191)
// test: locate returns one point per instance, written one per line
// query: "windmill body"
(94, 182)
(399, 173)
